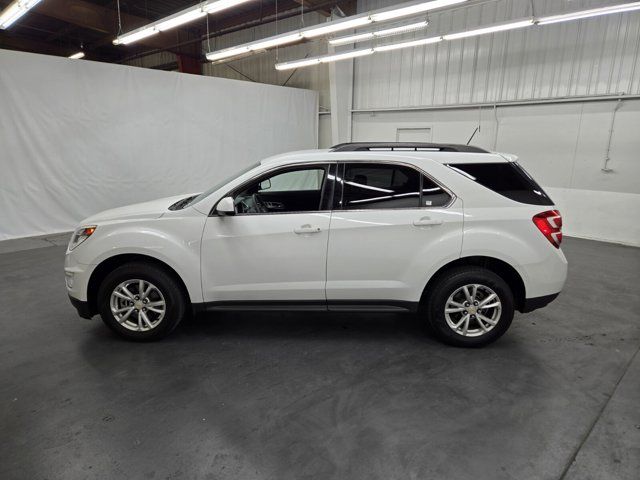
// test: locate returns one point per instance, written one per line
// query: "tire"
(449, 287)
(164, 308)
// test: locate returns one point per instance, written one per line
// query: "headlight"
(80, 235)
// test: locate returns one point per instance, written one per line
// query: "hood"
(152, 209)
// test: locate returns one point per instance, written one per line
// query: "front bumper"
(77, 277)
(82, 307)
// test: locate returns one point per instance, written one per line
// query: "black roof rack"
(417, 147)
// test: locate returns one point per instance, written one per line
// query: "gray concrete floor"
(291, 396)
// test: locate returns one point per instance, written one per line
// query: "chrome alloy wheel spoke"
(137, 305)
(473, 310)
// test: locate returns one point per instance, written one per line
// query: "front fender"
(173, 241)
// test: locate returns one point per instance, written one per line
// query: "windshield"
(221, 184)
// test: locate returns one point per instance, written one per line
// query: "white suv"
(462, 236)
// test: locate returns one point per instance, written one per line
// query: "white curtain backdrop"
(78, 137)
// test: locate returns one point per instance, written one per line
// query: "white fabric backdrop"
(78, 137)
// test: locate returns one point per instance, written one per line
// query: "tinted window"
(508, 179)
(432, 194)
(298, 190)
(295, 180)
(380, 186)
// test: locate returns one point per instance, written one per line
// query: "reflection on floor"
(293, 396)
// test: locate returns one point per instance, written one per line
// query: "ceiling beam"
(310, 4)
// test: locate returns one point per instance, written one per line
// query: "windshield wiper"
(180, 204)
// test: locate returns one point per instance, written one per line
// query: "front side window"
(374, 186)
(291, 190)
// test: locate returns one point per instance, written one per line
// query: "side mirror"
(265, 185)
(226, 206)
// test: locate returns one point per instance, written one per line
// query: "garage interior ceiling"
(64, 27)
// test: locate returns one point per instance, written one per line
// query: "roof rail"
(404, 146)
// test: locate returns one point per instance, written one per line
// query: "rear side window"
(375, 186)
(508, 179)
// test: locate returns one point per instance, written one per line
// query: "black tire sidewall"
(451, 281)
(173, 295)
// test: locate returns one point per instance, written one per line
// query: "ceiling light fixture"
(492, 29)
(387, 32)
(76, 56)
(180, 18)
(413, 43)
(332, 27)
(348, 23)
(625, 7)
(307, 62)
(14, 11)
(398, 12)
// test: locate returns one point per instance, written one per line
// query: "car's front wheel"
(470, 307)
(141, 301)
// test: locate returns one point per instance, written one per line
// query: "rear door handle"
(426, 222)
(306, 229)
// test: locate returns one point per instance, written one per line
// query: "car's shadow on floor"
(325, 325)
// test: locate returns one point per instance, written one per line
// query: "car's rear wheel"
(469, 307)
(141, 301)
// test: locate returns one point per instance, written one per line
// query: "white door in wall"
(419, 134)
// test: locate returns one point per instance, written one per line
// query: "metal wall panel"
(596, 56)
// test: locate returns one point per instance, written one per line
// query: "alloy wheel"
(137, 305)
(473, 310)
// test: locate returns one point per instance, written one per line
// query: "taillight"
(550, 224)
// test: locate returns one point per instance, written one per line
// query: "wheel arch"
(497, 266)
(109, 264)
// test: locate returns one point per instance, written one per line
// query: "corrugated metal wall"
(597, 56)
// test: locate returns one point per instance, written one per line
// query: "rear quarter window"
(507, 179)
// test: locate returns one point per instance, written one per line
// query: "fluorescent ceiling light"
(331, 27)
(491, 29)
(226, 53)
(275, 41)
(180, 18)
(213, 7)
(413, 43)
(306, 62)
(135, 36)
(361, 37)
(349, 23)
(75, 56)
(594, 12)
(298, 64)
(14, 11)
(184, 16)
(390, 14)
(396, 46)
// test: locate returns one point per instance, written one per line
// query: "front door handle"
(306, 229)
(426, 222)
